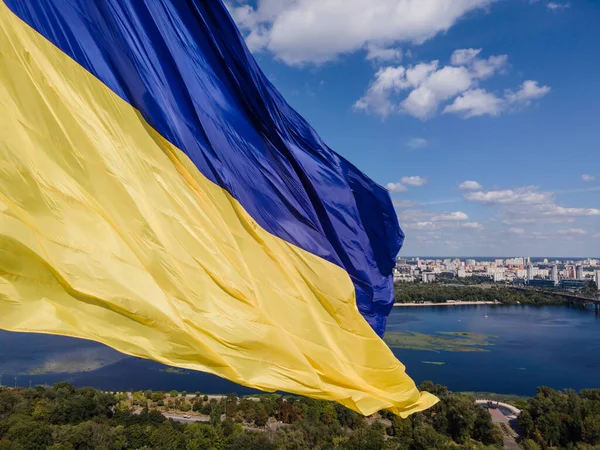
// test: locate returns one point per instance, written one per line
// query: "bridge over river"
(572, 297)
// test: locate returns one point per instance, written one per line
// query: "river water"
(532, 346)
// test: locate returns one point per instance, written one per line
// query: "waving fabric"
(158, 195)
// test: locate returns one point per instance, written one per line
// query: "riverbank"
(449, 303)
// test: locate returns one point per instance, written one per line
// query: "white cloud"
(423, 102)
(475, 102)
(479, 102)
(469, 186)
(528, 195)
(485, 68)
(376, 99)
(572, 231)
(430, 85)
(464, 56)
(420, 226)
(450, 217)
(480, 68)
(380, 54)
(316, 31)
(396, 187)
(588, 178)
(528, 92)
(555, 210)
(404, 203)
(538, 220)
(414, 181)
(413, 215)
(416, 143)
(475, 225)
(555, 6)
(528, 205)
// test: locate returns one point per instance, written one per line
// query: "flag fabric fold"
(158, 195)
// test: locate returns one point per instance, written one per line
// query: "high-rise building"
(527, 260)
(470, 262)
(580, 272)
(597, 279)
(555, 274)
(530, 272)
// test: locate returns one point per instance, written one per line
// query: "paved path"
(484, 401)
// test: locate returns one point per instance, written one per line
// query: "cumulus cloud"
(479, 102)
(381, 54)
(537, 220)
(476, 102)
(450, 217)
(429, 85)
(572, 231)
(464, 56)
(404, 203)
(587, 178)
(317, 31)
(526, 195)
(516, 230)
(414, 181)
(555, 6)
(469, 186)
(528, 92)
(417, 143)
(396, 187)
(528, 205)
(475, 225)
(556, 210)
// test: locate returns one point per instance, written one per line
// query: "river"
(532, 346)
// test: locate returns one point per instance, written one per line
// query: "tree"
(528, 444)
(591, 429)
(426, 438)
(165, 437)
(484, 430)
(461, 418)
(526, 423)
(201, 436)
(30, 435)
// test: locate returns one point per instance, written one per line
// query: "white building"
(580, 272)
(428, 277)
(555, 274)
(597, 279)
(530, 272)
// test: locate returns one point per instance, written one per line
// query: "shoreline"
(455, 303)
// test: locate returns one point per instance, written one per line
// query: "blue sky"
(425, 95)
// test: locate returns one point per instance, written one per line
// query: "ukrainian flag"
(158, 195)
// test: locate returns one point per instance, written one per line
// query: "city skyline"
(479, 118)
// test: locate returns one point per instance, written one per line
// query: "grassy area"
(441, 341)
(505, 398)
